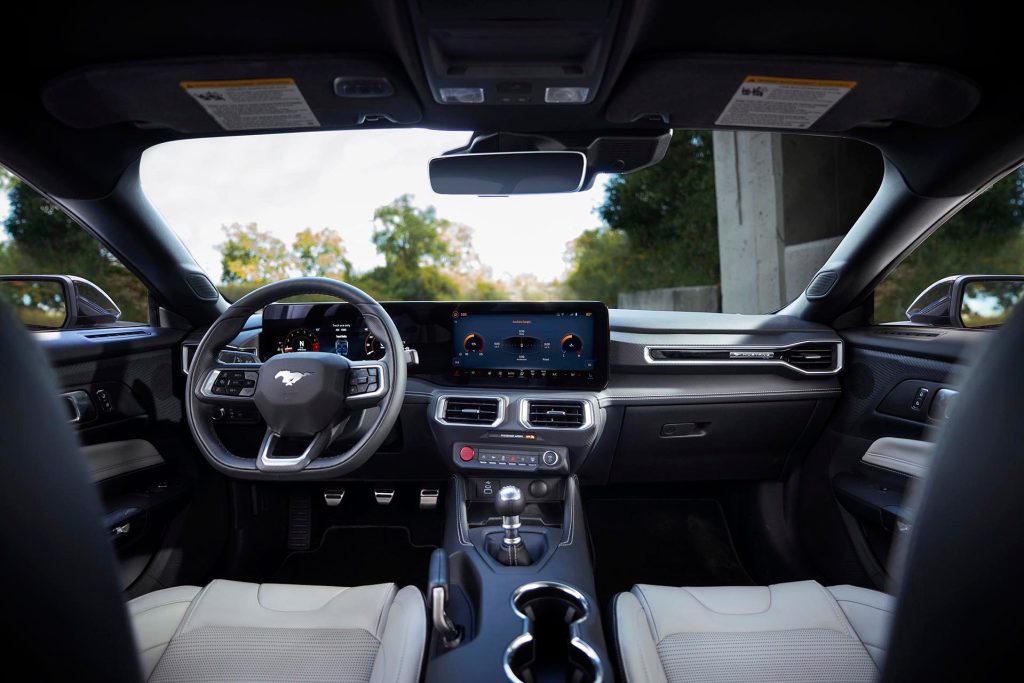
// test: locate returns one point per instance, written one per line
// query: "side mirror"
(57, 301)
(971, 301)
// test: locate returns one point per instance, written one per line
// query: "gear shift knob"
(510, 501)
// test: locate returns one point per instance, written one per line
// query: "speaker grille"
(202, 287)
(822, 284)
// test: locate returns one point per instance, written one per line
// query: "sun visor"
(234, 95)
(788, 94)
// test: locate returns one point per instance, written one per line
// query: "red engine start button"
(467, 453)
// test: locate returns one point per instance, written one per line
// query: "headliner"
(86, 163)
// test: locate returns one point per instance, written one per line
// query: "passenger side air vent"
(464, 410)
(812, 357)
(555, 414)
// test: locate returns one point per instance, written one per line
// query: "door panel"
(897, 383)
(124, 398)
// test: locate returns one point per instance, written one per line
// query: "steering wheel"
(306, 398)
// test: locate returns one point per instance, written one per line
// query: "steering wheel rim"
(200, 405)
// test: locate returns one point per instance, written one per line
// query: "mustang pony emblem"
(289, 378)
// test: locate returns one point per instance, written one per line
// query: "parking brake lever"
(438, 590)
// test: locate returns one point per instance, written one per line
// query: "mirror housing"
(967, 301)
(42, 299)
(508, 173)
(533, 163)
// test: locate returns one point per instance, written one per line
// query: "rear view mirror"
(57, 301)
(508, 173)
(971, 301)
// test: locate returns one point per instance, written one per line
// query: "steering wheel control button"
(549, 458)
(467, 453)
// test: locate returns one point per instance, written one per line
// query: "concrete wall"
(706, 299)
(784, 203)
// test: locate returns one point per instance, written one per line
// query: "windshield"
(357, 205)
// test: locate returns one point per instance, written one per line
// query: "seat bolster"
(155, 617)
(870, 613)
(740, 609)
(637, 648)
(403, 642)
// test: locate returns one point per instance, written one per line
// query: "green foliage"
(416, 255)
(321, 253)
(43, 240)
(660, 227)
(249, 254)
(985, 237)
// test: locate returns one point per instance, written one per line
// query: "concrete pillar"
(784, 203)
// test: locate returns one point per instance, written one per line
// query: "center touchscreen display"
(562, 344)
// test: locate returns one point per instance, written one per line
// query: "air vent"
(116, 335)
(898, 332)
(555, 414)
(465, 410)
(812, 357)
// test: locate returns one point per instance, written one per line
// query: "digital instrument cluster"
(482, 344)
(328, 328)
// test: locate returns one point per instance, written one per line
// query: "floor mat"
(663, 542)
(355, 556)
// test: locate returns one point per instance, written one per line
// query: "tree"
(660, 227)
(411, 240)
(249, 255)
(42, 239)
(321, 253)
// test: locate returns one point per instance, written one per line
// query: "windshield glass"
(357, 205)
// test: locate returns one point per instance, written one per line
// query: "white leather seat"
(273, 632)
(786, 632)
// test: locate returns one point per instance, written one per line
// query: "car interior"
(307, 483)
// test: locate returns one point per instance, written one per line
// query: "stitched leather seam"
(259, 601)
(651, 622)
(162, 604)
(711, 609)
(855, 602)
(382, 613)
(838, 611)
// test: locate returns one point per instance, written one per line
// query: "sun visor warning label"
(265, 103)
(767, 102)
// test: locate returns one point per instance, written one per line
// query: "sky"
(289, 182)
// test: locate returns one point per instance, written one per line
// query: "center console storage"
(550, 648)
(519, 603)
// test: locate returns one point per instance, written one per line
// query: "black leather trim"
(63, 613)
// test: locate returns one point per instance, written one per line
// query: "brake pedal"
(384, 496)
(333, 497)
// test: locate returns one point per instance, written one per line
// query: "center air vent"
(485, 411)
(555, 414)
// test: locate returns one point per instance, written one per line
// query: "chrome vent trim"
(586, 412)
(441, 412)
(753, 355)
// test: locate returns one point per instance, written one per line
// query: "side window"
(38, 239)
(968, 273)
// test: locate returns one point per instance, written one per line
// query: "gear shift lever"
(510, 503)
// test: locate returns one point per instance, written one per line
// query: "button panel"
(363, 380)
(528, 459)
(234, 383)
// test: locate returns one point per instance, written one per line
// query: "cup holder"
(550, 648)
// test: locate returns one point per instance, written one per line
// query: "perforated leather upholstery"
(245, 631)
(786, 632)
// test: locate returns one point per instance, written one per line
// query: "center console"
(512, 592)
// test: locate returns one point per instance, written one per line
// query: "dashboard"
(500, 344)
